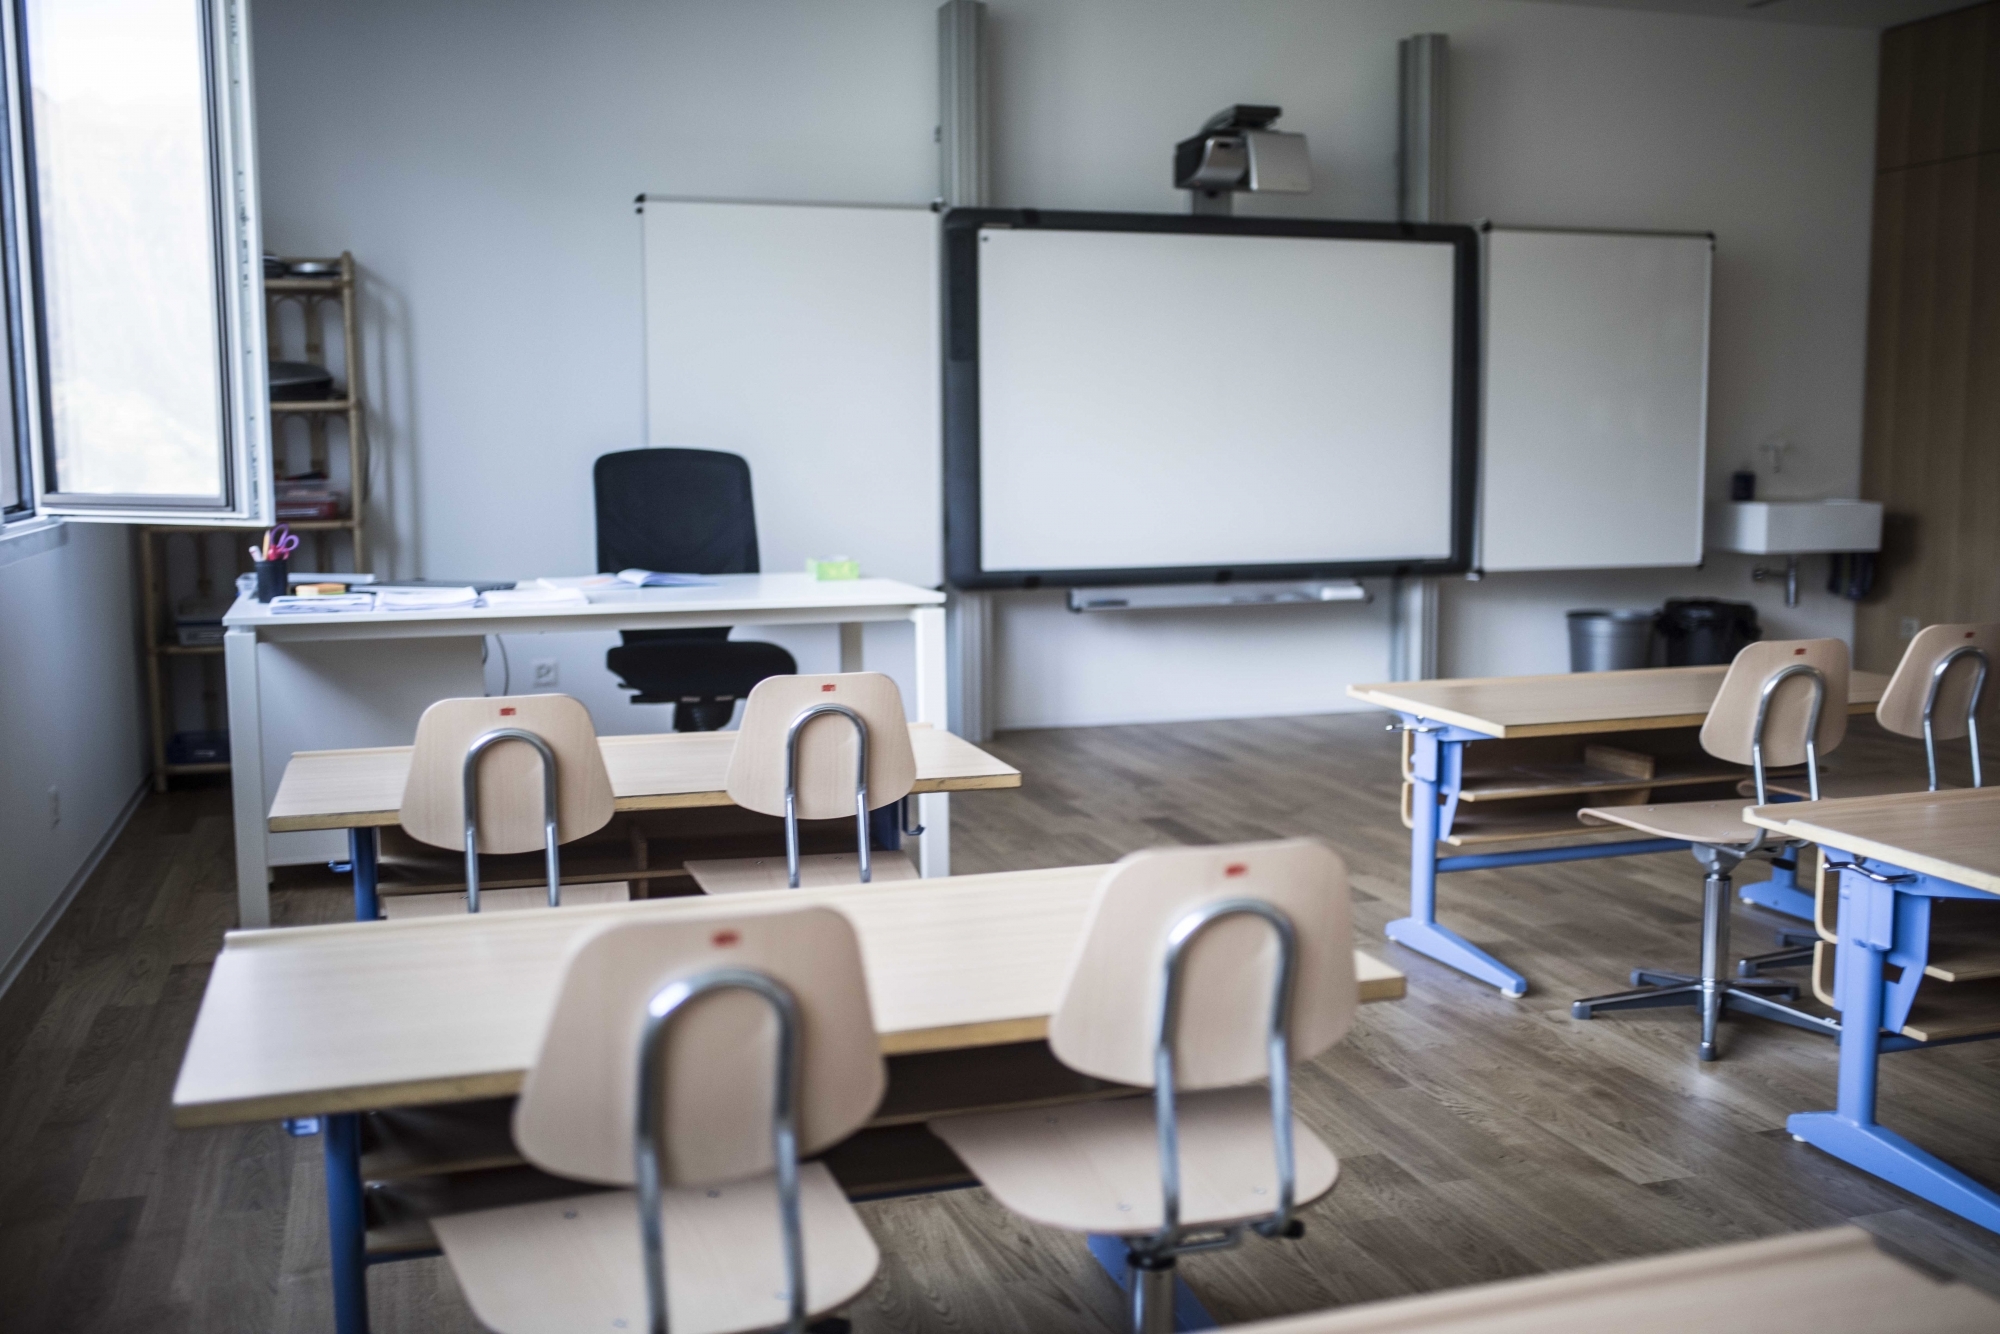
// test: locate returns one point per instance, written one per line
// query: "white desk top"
(731, 599)
(307, 1020)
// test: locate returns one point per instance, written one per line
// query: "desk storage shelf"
(1960, 994)
(1521, 790)
(194, 569)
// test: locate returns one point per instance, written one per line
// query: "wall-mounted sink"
(1793, 527)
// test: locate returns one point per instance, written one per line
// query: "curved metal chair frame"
(1770, 688)
(550, 847)
(660, 1011)
(1150, 1260)
(1979, 668)
(792, 786)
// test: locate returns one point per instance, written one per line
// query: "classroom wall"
(70, 713)
(480, 159)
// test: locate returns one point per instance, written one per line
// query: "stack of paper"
(655, 579)
(533, 597)
(424, 599)
(323, 605)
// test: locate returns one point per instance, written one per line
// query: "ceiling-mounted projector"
(1238, 150)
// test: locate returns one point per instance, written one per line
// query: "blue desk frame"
(1885, 919)
(1437, 771)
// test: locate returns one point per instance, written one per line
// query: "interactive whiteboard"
(1147, 398)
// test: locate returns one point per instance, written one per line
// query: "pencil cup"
(273, 578)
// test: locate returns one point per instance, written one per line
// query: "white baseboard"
(18, 962)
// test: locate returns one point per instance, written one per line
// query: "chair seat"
(1095, 1166)
(396, 907)
(740, 875)
(559, 1266)
(1716, 823)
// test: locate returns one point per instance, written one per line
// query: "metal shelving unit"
(303, 307)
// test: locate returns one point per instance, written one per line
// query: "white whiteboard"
(1596, 414)
(805, 338)
(1161, 399)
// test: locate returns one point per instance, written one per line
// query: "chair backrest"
(687, 511)
(827, 760)
(577, 1115)
(1902, 706)
(1106, 1023)
(509, 773)
(1730, 731)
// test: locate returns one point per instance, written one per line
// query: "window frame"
(20, 359)
(236, 235)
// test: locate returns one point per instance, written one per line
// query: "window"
(138, 259)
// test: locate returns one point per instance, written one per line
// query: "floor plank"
(1480, 1137)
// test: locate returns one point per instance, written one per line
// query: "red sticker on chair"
(1798, 652)
(827, 686)
(507, 712)
(1235, 869)
(722, 940)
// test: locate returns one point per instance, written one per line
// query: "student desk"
(1896, 856)
(333, 1020)
(1504, 760)
(1833, 1282)
(361, 790)
(252, 632)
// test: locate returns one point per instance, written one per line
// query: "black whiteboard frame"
(959, 346)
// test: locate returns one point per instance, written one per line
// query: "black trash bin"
(1705, 631)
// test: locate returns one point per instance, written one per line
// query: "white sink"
(1786, 527)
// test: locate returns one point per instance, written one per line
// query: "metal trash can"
(1610, 641)
(1707, 631)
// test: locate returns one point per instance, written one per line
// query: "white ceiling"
(1834, 13)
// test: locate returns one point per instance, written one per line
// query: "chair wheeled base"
(1712, 991)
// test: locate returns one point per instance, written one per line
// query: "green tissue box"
(840, 567)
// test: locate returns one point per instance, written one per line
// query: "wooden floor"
(1479, 1137)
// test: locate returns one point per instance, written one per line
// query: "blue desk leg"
(363, 849)
(1781, 893)
(1420, 930)
(346, 1223)
(1189, 1313)
(1850, 1132)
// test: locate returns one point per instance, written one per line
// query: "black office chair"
(685, 511)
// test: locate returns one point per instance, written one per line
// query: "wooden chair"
(505, 774)
(1934, 695)
(689, 1064)
(1201, 970)
(817, 748)
(1935, 691)
(1772, 710)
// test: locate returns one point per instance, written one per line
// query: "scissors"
(280, 542)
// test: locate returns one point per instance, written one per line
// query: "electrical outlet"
(55, 807)
(542, 672)
(1907, 628)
